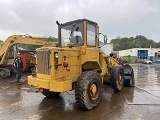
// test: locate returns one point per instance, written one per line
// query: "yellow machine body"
(58, 68)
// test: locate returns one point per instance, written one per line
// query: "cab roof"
(79, 20)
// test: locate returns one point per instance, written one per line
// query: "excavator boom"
(8, 50)
(22, 39)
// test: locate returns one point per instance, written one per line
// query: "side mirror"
(104, 38)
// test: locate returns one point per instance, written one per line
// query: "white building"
(139, 54)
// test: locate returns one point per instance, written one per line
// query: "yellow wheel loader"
(9, 49)
(79, 64)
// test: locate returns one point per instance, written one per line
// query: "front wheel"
(89, 90)
(117, 78)
(50, 94)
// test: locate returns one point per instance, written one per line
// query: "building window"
(142, 51)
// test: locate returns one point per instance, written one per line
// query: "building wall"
(140, 53)
(129, 52)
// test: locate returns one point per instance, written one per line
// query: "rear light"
(65, 64)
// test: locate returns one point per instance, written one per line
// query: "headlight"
(56, 54)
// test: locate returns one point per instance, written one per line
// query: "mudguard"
(128, 75)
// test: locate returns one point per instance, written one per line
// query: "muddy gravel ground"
(142, 102)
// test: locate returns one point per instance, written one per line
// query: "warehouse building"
(138, 54)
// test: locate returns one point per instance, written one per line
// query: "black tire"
(89, 90)
(5, 73)
(129, 80)
(50, 94)
(117, 78)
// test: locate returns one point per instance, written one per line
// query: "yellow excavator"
(9, 49)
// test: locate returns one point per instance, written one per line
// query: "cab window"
(72, 33)
(91, 35)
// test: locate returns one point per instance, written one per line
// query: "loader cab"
(78, 33)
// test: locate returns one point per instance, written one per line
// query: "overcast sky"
(124, 18)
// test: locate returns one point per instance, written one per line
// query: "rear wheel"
(117, 78)
(89, 90)
(50, 94)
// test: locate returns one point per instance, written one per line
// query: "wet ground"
(139, 103)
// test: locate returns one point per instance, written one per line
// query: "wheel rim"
(120, 80)
(94, 91)
(2, 72)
